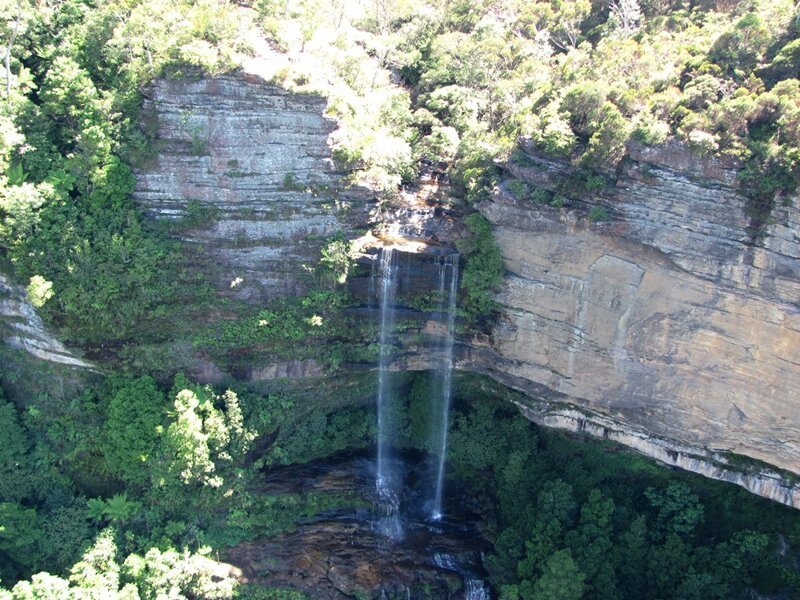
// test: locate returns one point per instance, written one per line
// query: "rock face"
(245, 170)
(666, 319)
(23, 329)
(666, 327)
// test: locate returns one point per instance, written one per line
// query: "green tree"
(97, 573)
(561, 579)
(591, 545)
(679, 509)
(171, 574)
(42, 586)
(20, 532)
(135, 418)
(17, 476)
(484, 268)
(202, 441)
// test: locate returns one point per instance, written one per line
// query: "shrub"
(701, 92)
(584, 105)
(738, 50)
(518, 189)
(597, 214)
(541, 195)
(483, 270)
(554, 135)
(786, 63)
(39, 291)
(607, 144)
(650, 131)
(702, 142)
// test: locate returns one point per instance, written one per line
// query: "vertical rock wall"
(666, 318)
(245, 169)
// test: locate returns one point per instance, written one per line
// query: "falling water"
(446, 373)
(388, 522)
(474, 588)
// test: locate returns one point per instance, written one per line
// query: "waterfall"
(474, 588)
(388, 522)
(445, 374)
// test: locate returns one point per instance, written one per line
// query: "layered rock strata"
(23, 329)
(665, 328)
(666, 318)
(245, 170)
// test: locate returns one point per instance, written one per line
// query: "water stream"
(445, 374)
(388, 519)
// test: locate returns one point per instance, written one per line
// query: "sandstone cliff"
(664, 328)
(247, 167)
(23, 329)
(666, 318)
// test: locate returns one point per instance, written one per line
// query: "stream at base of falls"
(345, 552)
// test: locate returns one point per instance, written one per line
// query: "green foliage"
(582, 518)
(157, 574)
(518, 188)
(135, 420)
(679, 510)
(740, 49)
(20, 531)
(269, 515)
(337, 259)
(200, 441)
(313, 326)
(66, 216)
(198, 214)
(597, 214)
(259, 592)
(39, 291)
(319, 435)
(483, 268)
(561, 579)
(116, 509)
(16, 466)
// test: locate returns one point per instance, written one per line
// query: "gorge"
(619, 302)
(400, 300)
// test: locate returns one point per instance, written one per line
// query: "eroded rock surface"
(246, 168)
(667, 318)
(23, 329)
(670, 323)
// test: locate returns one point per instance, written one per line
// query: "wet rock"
(341, 555)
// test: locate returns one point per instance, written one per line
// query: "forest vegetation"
(124, 489)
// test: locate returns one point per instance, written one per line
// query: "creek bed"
(341, 553)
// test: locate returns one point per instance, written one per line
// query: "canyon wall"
(244, 169)
(22, 328)
(665, 317)
(664, 327)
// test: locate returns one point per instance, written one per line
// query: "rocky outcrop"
(244, 169)
(755, 478)
(666, 327)
(667, 319)
(23, 329)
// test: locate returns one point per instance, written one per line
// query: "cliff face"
(664, 328)
(23, 329)
(245, 168)
(666, 318)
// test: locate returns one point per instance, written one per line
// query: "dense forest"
(134, 483)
